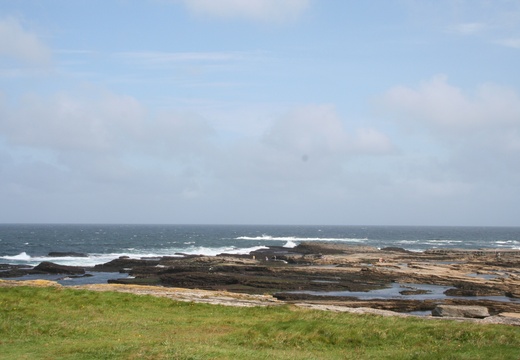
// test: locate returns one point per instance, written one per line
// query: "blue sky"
(402, 112)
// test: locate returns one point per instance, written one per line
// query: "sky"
(382, 112)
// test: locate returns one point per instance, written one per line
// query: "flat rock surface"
(479, 312)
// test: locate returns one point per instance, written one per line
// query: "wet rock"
(461, 292)
(397, 249)
(461, 311)
(10, 271)
(331, 249)
(202, 280)
(52, 268)
(276, 252)
(124, 264)
(513, 294)
(467, 289)
(5, 267)
(414, 292)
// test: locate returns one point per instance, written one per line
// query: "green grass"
(54, 323)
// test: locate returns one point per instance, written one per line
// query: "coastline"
(225, 298)
(325, 276)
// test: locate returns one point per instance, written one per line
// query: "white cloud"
(104, 144)
(260, 10)
(317, 130)
(173, 133)
(475, 135)
(441, 105)
(18, 43)
(467, 28)
(496, 22)
(510, 42)
(64, 122)
(303, 151)
(100, 123)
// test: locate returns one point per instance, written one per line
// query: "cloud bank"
(442, 106)
(478, 130)
(21, 44)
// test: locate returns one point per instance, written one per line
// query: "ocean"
(24, 244)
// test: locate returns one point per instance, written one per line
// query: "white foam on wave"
(407, 241)
(21, 257)
(91, 260)
(290, 244)
(206, 251)
(435, 241)
(265, 237)
(95, 259)
(132, 253)
(507, 242)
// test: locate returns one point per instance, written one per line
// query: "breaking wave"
(265, 237)
(290, 244)
(95, 259)
(22, 256)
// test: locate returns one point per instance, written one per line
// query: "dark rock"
(52, 268)
(135, 281)
(66, 254)
(273, 252)
(124, 264)
(188, 256)
(414, 292)
(460, 292)
(397, 249)
(331, 249)
(198, 280)
(10, 271)
(269, 277)
(465, 289)
(11, 267)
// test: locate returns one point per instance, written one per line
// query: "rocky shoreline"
(308, 273)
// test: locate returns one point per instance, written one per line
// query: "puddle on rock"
(405, 292)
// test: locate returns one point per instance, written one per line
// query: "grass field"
(61, 323)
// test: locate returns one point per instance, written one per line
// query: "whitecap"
(437, 241)
(206, 251)
(506, 242)
(20, 257)
(295, 238)
(407, 241)
(290, 244)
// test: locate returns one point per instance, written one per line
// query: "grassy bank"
(54, 323)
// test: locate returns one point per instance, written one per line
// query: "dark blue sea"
(30, 244)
